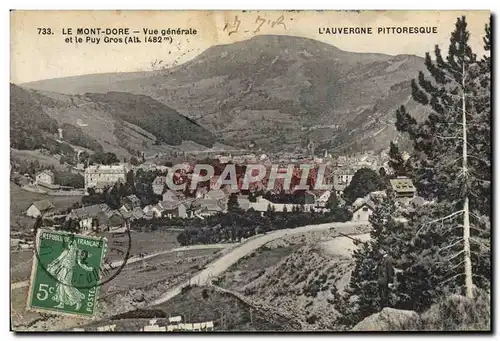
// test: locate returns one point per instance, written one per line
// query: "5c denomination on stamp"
(66, 273)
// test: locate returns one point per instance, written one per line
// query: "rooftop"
(43, 205)
(402, 185)
(90, 211)
(109, 169)
(46, 171)
(168, 205)
(215, 194)
(358, 204)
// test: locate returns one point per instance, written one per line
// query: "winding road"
(220, 265)
(234, 254)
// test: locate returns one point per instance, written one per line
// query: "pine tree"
(451, 166)
(332, 203)
(361, 297)
(397, 163)
(232, 203)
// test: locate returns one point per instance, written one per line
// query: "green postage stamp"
(66, 273)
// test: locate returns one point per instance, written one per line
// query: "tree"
(134, 161)
(364, 181)
(63, 159)
(232, 203)
(70, 225)
(130, 179)
(451, 166)
(332, 202)
(113, 198)
(399, 166)
(70, 179)
(82, 157)
(252, 197)
(382, 172)
(103, 158)
(361, 297)
(144, 186)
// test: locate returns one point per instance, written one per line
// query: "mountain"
(122, 123)
(277, 91)
(30, 126)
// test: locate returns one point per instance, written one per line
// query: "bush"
(458, 313)
(322, 278)
(232, 226)
(249, 291)
(312, 319)
(312, 290)
(186, 289)
(70, 179)
(453, 313)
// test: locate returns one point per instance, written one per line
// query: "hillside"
(227, 312)
(300, 275)
(122, 123)
(30, 126)
(277, 91)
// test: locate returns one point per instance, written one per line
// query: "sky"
(37, 56)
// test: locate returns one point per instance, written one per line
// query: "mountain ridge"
(122, 123)
(280, 92)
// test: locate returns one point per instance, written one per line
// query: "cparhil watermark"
(297, 177)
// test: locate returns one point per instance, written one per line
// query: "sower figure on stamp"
(385, 271)
(62, 269)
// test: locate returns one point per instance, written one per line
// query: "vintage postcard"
(285, 171)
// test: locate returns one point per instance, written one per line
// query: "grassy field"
(20, 200)
(146, 243)
(19, 314)
(157, 269)
(142, 242)
(201, 304)
(151, 242)
(228, 313)
(20, 265)
(134, 287)
(33, 155)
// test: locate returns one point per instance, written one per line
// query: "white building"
(97, 176)
(107, 328)
(175, 319)
(153, 327)
(362, 213)
(403, 187)
(38, 208)
(323, 199)
(261, 205)
(45, 177)
(224, 159)
(88, 216)
(159, 184)
(344, 178)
